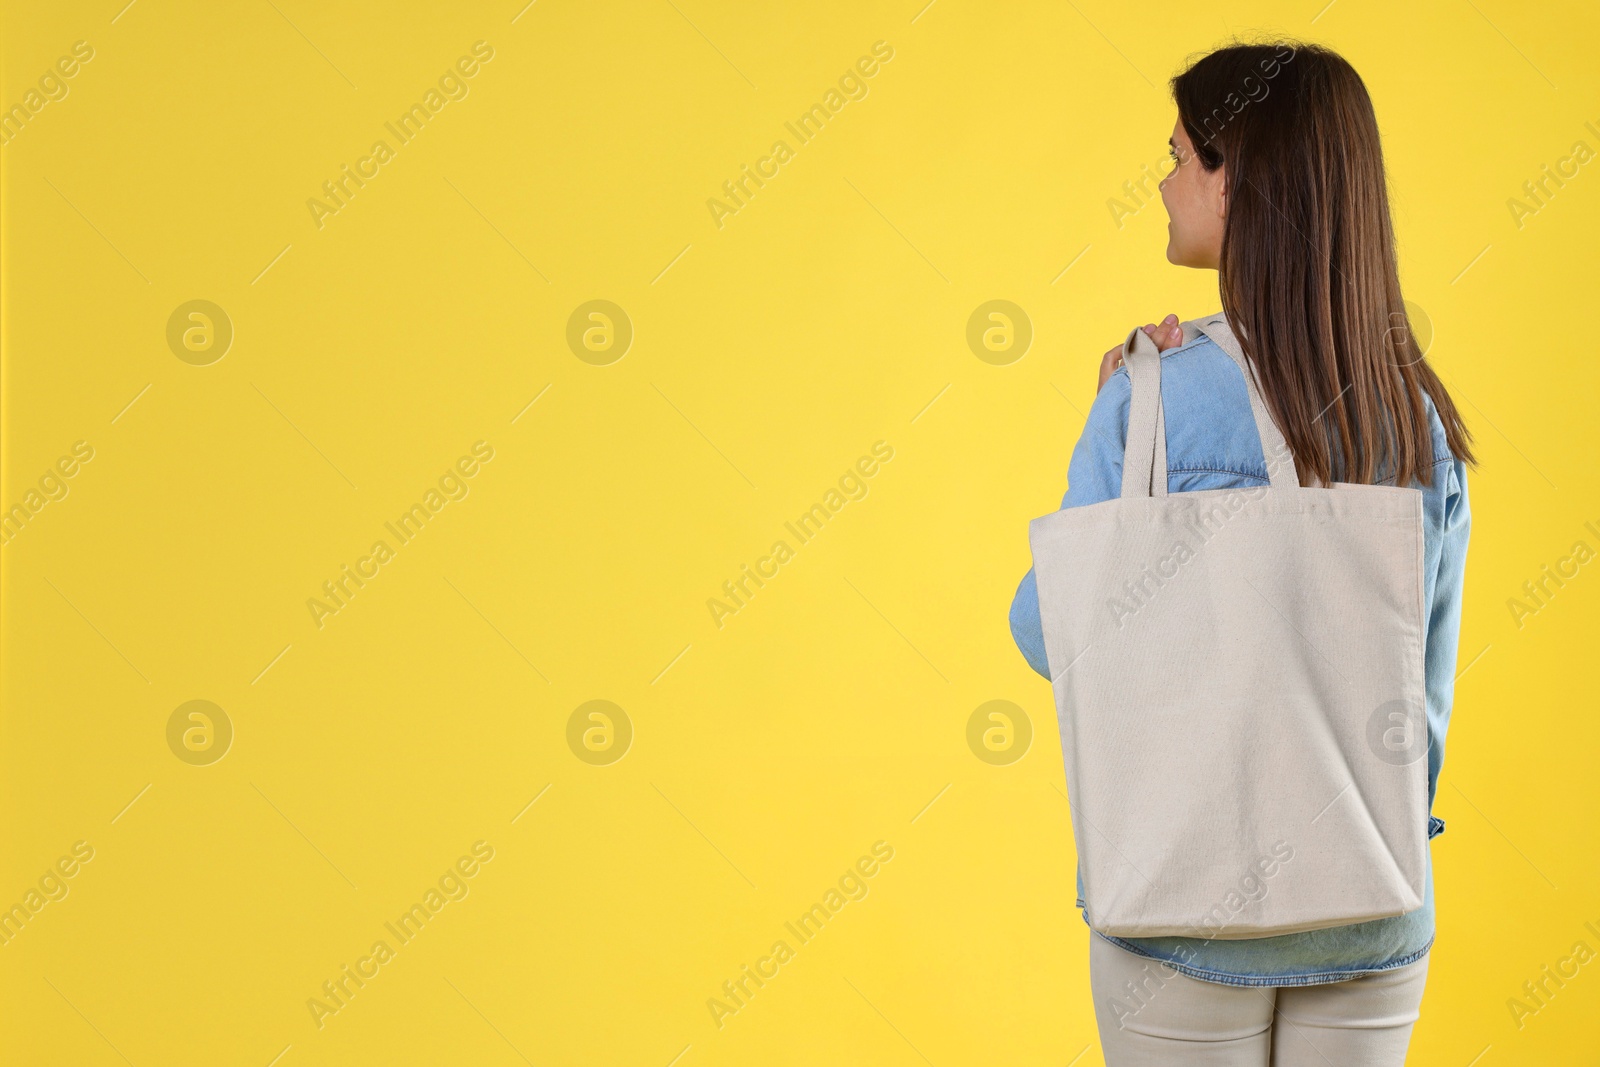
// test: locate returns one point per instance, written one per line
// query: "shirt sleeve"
(1093, 475)
(1444, 623)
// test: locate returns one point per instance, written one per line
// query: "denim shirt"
(1212, 444)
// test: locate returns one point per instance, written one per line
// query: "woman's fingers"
(1167, 333)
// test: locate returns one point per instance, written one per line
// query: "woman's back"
(1212, 443)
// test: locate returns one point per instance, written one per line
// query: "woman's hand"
(1166, 334)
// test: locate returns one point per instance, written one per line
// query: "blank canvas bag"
(1238, 677)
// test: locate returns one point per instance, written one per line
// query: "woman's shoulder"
(1198, 364)
(1197, 367)
(1199, 379)
(1210, 432)
(1195, 374)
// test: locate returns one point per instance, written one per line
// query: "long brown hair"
(1309, 278)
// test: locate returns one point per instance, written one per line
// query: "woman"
(1279, 186)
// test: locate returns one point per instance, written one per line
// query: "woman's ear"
(1222, 191)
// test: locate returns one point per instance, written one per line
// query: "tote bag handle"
(1144, 460)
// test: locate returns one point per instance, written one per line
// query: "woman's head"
(1280, 186)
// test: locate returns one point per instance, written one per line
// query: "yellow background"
(769, 354)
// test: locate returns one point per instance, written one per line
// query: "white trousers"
(1151, 1016)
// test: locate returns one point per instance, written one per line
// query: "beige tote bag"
(1238, 676)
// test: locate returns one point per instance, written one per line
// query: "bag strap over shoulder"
(1144, 461)
(1144, 456)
